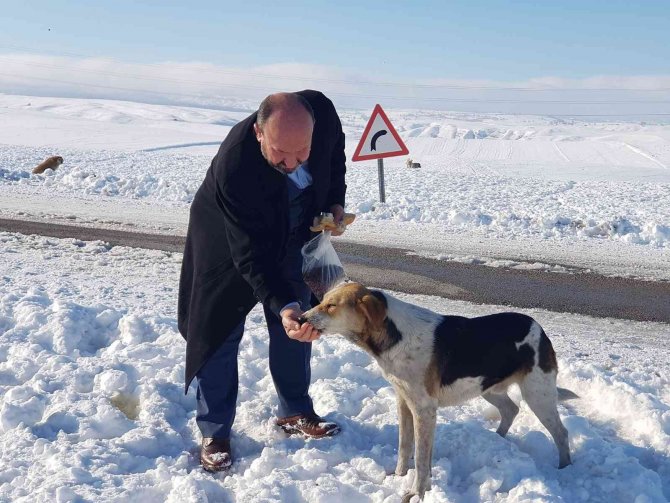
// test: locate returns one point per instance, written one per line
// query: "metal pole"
(380, 170)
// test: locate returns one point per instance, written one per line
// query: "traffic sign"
(379, 139)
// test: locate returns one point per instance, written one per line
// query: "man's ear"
(373, 310)
(258, 132)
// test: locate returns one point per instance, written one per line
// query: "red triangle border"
(357, 154)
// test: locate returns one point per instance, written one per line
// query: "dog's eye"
(330, 306)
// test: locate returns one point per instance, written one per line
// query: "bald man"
(273, 173)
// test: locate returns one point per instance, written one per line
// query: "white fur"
(409, 358)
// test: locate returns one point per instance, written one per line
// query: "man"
(274, 171)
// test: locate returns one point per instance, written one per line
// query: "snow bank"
(500, 205)
(155, 176)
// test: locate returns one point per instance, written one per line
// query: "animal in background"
(50, 163)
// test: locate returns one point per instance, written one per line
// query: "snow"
(584, 195)
(91, 369)
(91, 363)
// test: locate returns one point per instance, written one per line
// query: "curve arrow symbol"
(373, 142)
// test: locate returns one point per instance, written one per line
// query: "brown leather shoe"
(215, 454)
(309, 425)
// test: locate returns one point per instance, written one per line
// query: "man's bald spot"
(285, 109)
(284, 128)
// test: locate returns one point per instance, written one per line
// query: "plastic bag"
(321, 267)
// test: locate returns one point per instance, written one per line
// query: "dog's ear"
(373, 309)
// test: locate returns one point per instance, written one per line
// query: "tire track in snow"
(560, 152)
(182, 145)
(645, 155)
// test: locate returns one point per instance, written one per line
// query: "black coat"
(238, 230)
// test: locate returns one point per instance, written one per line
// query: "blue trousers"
(217, 380)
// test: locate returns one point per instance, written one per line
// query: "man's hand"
(338, 217)
(302, 333)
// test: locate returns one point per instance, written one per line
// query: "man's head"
(283, 127)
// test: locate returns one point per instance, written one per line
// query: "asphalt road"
(394, 269)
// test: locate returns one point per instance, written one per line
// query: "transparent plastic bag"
(321, 267)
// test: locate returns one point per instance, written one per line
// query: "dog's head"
(58, 160)
(350, 310)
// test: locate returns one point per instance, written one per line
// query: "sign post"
(377, 143)
(380, 174)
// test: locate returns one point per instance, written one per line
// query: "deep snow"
(91, 372)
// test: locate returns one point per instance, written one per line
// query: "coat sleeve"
(250, 250)
(338, 169)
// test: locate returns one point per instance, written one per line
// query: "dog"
(434, 360)
(51, 163)
(411, 164)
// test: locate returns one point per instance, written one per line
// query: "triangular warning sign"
(379, 139)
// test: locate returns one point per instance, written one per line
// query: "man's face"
(285, 146)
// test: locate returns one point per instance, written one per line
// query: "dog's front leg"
(424, 431)
(405, 435)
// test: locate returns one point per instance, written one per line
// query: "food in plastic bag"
(321, 267)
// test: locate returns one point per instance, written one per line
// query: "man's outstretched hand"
(296, 331)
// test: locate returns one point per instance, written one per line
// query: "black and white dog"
(434, 360)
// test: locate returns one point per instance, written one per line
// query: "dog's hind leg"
(539, 391)
(405, 435)
(507, 408)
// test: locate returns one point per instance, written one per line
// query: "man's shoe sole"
(295, 431)
(213, 468)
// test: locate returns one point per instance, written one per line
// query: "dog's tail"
(566, 394)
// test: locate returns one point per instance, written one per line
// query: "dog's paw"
(396, 473)
(400, 472)
(407, 497)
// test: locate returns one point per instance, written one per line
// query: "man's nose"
(291, 164)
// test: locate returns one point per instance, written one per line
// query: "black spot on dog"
(484, 346)
(382, 344)
(380, 297)
(393, 335)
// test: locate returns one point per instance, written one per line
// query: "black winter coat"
(238, 231)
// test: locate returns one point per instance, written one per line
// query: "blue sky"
(407, 53)
(430, 39)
